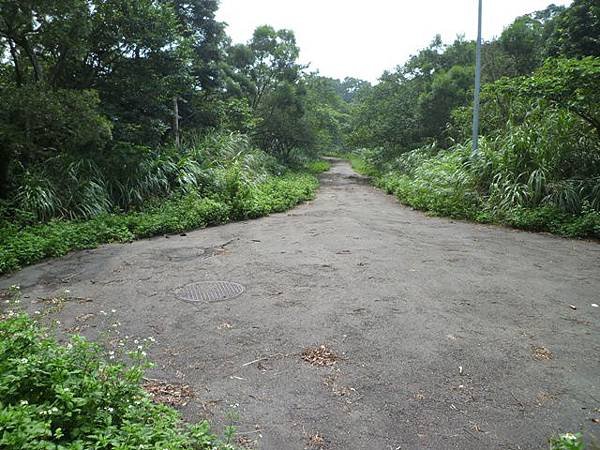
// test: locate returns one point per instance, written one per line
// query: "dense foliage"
(538, 165)
(68, 397)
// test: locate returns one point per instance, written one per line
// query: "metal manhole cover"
(209, 291)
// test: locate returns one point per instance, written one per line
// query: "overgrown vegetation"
(20, 246)
(538, 163)
(71, 397)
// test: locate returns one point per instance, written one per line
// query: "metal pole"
(477, 84)
(176, 121)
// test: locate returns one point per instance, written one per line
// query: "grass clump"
(68, 397)
(318, 166)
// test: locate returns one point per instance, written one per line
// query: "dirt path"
(443, 328)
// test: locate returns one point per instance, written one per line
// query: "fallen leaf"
(167, 393)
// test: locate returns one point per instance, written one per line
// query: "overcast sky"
(362, 38)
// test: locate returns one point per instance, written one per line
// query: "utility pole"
(176, 121)
(477, 84)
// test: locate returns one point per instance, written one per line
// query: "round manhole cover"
(209, 291)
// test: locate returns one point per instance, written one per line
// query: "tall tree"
(576, 32)
(266, 72)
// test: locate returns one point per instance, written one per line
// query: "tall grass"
(82, 187)
(540, 174)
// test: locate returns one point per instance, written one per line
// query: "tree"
(449, 89)
(327, 113)
(576, 32)
(350, 87)
(266, 72)
(386, 115)
(570, 84)
(522, 40)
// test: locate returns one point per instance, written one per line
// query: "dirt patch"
(332, 382)
(543, 397)
(246, 442)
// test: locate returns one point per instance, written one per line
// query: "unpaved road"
(403, 299)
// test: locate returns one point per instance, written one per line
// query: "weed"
(567, 441)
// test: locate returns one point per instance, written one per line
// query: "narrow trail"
(449, 334)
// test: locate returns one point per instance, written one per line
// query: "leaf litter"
(320, 356)
(173, 394)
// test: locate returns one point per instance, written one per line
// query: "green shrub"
(67, 397)
(567, 441)
(128, 176)
(317, 166)
(436, 184)
(450, 183)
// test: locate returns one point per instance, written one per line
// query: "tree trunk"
(15, 58)
(37, 68)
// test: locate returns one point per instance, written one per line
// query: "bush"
(317, 166)
(126, 177)
(437, 184)
(56, 396)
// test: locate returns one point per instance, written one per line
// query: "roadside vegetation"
(538, 163)
(78, 395)
(214, 183)
(567, 441)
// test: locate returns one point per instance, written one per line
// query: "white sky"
(362, 38)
